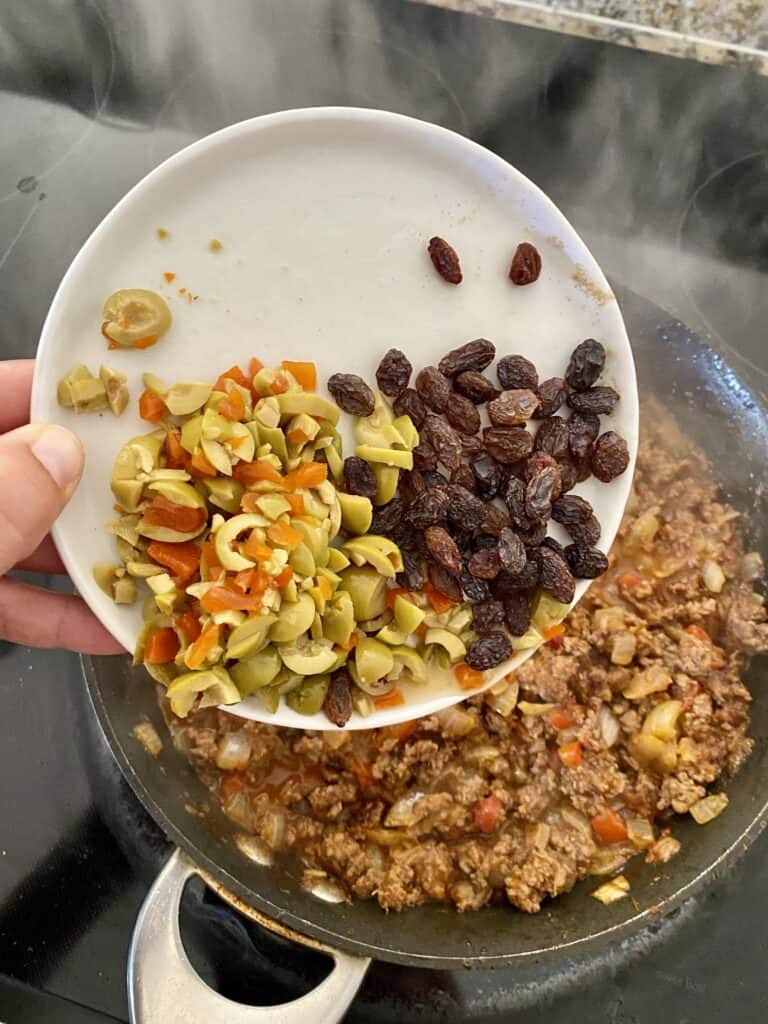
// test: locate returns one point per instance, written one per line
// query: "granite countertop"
(712, 31)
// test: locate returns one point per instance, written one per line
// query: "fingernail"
(62, 455)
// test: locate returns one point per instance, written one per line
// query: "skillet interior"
(722, 414)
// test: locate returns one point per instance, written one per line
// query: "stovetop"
(659, 163)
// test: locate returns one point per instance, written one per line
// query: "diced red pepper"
(570, 754)
(437, 599)
(189, 624)
(162, 646)
(182, 559)
(487, 813)
(561, 719)
(163, 512)
(609, 826)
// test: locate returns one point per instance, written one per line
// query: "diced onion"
(609, 725)
(273, 828)
(148, 737)
(608, 859)
(505, 702)
(611, 892)
(623, 649)
(234, 751)
(403, 813)
(661, 721)
(575, 819)
(480, 753)
(713, 576)
(687, 750)
(708, 808)
(751, 567)
(640, 831)
(651, 680)
(663, 850)
(642, 531)
(456, 721)
(609, 620)
(535, 710)
(654, 754)
(335, 738)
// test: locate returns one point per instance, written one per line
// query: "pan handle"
(164, 988)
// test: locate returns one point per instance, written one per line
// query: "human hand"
(40, 467)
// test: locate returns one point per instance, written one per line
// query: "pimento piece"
(162, 646)
(151, 407)
(305, 374)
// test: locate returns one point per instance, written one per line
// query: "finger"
(15, 388)
(40, 466)
(45, 558)
(39, 618)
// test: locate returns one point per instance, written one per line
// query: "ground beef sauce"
(558, 773)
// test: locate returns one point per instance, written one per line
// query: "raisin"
(487, 477)
(583, 428)
(516, 372)
(506, 583)
(428, 509)
(338, 699)
(552, 394)
(554, 575)
(433, 388)
(463, 415)
(555, 545)
(393, 373)
(534, 535)
(444, 582)
(445, 441)
(571, 509)
(481, 540)
(359, 478)
(490, 650)
(475, 355)
(487, 615)
(445, 260)
(474, 589)
(475, 387)
(508, 444)
(585, 365)
(386, 518)
(408, 403)
(599, 400)
(410, 486)
(465, 509)
(586, 532)
(485, 564)
(471, 445)
(424, 457)
(515, 499)
(412, 577)
(569, 474)
(538, 462)
(433, 478)
(526, 264)
(351, 394)
(511, 552)
(513, 408)
(495, 519)
(610, 456)
(586, 563)
(538, 493)
(442, 547)
(517, 612)
(552, 437)
(464, 477)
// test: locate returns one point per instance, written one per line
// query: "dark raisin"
(465, 509)
(471, 445)
(586, 365)
(526, 264)
(412, 577)
(552, 437)
(554, 575)
(586, 563)
(517, 372)
(583, 428)
(475, 355)
(485, 564)
(610, 456)
(445, 260)
(552, 394)
(387, 518)
(487, 615)
(511, 551)
(464, 477)
(473, 588)
(513, 408)
(569, 474)
(600, 400)
(444, 439)
(443, 548)
(428, 509)
(586, 532)
(408, 403)
(487, 477)
(475, 387)
(508, 444)
(515, 499)
(534, 535)
(489, 651)
(538, 493)
(480, 541)
(505, 583)
(410, 486)
(338, 698)
(433, 388)
(424, 457)
(351, 394)
(537, 463)
(393, 373)
(495, 519)
(465, 540)
(463, 415)
(444, 582)
(517, 612)
(571, 509)
(433, 478)
(555, 545)
(359, 477)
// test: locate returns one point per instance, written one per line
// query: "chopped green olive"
(292, 403)
(135, 315)
(356, 513)
(546, 611)
(308, 698)
(406, 429)
(386, 456)
(409, 659)
(337, 560)
(191, 434)
(214, 685)
(387, 478)
(250, 637)
(391, 635)
(227, 534)
(301, 560)
(88, 395)
(64, 394)
(225, 494)
(187, 397)
(307, 657)
(367, 590)
(448, 641)
(373, 660)
(256, 671)
(408, 616)
(382, 553)
(116, 389)
(178, 492)
(293, 619)
(339, 619)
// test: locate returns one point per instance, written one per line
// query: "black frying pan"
(728, 418)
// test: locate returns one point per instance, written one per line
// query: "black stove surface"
(660, 164)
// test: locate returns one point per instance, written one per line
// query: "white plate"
(324, 216)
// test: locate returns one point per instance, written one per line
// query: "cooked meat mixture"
(625, 719)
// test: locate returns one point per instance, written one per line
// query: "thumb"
(40, 467)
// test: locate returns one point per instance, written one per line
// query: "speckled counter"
(712, 31)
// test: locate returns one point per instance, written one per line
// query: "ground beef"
(418, 813)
